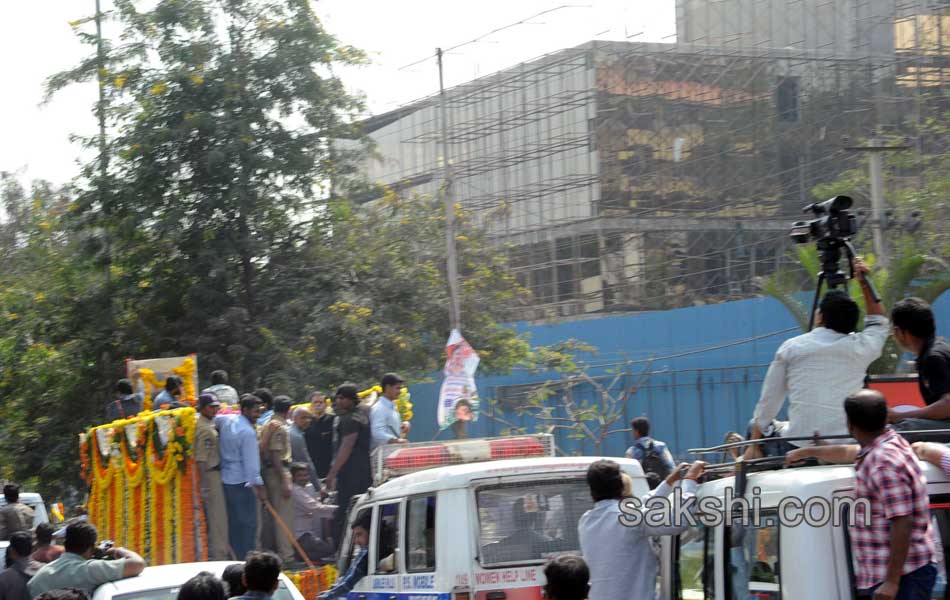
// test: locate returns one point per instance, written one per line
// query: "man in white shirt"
(819, 369)
(622, 562)
(385, 425)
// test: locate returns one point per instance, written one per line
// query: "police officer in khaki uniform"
(14, 515)
(276, 452)
(208, 458)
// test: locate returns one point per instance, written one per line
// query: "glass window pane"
(420, 534)
(387, 538)
(695, 567)
(526, 522)
(753, 560)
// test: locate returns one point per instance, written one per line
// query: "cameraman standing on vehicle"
(80, 567)
(819, 369)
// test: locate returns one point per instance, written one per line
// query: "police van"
(470, 519)
(478, 519)
(798, 548)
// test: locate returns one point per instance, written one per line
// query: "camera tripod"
(829, 250)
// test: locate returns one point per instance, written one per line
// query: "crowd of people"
(272, 478)
(280, 479)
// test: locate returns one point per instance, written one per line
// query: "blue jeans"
(242, 518)
(916, 585)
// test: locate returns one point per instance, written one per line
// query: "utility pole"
(876, 174)
(103, 202)
(448, 196)
(451, 270)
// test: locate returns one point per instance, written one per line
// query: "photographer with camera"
(819, 369)
(84, 565)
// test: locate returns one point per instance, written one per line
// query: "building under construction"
(630, 176)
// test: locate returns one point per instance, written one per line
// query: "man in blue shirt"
(359, 565)
(385, 424)
(241, 473)
(643, 444)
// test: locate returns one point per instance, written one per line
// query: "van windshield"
(528, 521)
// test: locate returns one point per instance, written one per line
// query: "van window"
(525, 522)
(420, 534)
(695, 564)
(346, 557)
(387, 538)
(752, 560)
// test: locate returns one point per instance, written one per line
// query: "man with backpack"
(654, 456)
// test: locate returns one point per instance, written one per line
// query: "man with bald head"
(894, 545)
(302, 418)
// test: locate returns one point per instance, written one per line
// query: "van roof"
(800, 482)
(459, 476)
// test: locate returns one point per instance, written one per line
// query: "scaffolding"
(629, 176)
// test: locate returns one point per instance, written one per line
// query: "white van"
(779, 560)
(475, 529)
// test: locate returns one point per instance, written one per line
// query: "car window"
(525, 522)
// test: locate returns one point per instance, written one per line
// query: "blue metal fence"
(698, 372)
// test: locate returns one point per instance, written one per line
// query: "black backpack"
(652, 462)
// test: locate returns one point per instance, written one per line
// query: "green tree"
(214, 231)
(47, 347)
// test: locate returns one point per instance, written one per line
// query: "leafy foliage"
(587, 405)
(220, 226)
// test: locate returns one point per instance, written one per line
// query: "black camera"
(831, 229)
(832, 222)
(101, 551)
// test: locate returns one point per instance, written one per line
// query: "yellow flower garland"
(136, 496)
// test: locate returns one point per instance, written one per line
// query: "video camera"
(831, 229)
(833, 221)
(102, 550)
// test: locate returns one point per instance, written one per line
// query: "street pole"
(876, 175)
(458, 427)
(103, 203)
(877, 202)
(451, 258)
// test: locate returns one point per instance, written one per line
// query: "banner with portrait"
(458, 397)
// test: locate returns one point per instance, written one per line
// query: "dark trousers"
(242, 518)
(916, 585)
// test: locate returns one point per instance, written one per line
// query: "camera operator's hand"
(861, 269)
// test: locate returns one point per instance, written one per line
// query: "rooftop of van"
(459, 476)
(801, 482)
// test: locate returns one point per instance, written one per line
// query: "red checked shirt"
(890, 477)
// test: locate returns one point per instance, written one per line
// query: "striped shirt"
(889, 476)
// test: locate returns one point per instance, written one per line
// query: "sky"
(36, 41)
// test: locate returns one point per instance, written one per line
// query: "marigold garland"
(142, 493)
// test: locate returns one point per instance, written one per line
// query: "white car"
(163, 583)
